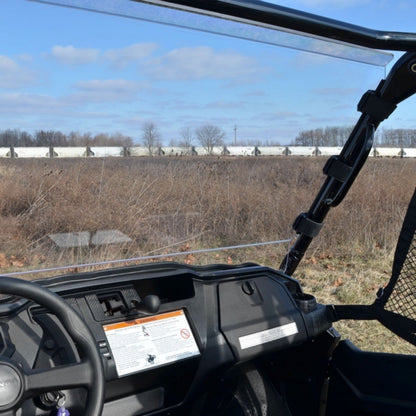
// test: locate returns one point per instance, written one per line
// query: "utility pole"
(235, 135)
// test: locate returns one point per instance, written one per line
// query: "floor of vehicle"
(254, 395)
(367, 383)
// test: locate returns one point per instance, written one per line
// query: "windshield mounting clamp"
(306, 226)
(375, 106)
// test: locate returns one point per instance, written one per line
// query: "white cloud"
(24, 103)
(12, 75)
(110, 90)
(18, 104)
(119, 58)
(279, 116)
(41, 111)
(200, 62)
(69, 55)
(7, 64)
(336, 92)
(226, 105)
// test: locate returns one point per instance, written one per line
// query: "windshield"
(126, 139)
(212, 21)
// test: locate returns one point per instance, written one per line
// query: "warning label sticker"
(269, 335)
(149, 342)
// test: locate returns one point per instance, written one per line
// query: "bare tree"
(9, 137)
(187, 138)
(398, 137)
(50, 138)
(305, 138)
(150, 136)
(116, 139)
(210, 136)
(25, 139)
(330, 136)
(119, 139)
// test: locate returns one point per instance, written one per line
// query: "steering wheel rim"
(92, 366)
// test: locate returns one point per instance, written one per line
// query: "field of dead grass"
(171, 204)
(180, 204)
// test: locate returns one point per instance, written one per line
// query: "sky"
(70, 70)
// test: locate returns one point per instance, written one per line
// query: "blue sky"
(71, 70)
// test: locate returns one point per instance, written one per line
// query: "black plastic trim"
(284, 17)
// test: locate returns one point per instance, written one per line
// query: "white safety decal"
(150, 342)
(268, 335)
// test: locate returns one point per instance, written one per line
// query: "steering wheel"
(18, 384)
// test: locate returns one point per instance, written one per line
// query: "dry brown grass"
(163, 203)
(157, 202)
(172, 204)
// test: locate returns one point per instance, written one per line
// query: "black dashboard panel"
(235, 314)
(258, 315)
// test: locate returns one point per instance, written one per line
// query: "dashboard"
(166, 332)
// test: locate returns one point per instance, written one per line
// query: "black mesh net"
(398, 300)
(402, 299)
(395, 306)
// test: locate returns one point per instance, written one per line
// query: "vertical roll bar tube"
(342, 170)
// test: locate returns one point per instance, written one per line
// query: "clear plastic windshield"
(238, 28)
(124, 141)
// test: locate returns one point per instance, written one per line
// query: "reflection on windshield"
(282, 37)
(71, 198)
(92, 211)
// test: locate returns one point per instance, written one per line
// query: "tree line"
(337, 136)
(208, 136)
(41, 138)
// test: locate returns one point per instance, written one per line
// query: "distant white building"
(301, 151)
(328, 150)
(176, 151)
(271, 150)
(216, 151)
(69, 151)
(386, 152)
(5, 152)
(240, 150)
(31, 152)
(106, 151)
(139, 151)
(409, 152)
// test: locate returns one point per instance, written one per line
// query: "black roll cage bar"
(272, 15)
